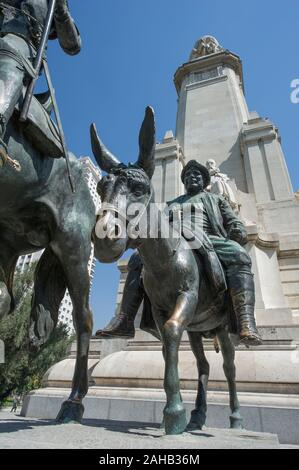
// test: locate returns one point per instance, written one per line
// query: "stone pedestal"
(25, 433)
(123, 388)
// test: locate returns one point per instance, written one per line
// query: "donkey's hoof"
(70, 412)
(5, 300)
(197, 421)
(175, 420)
(236, 421)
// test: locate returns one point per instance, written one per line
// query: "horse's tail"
(7, 277)
(216, 345)
(49, 290)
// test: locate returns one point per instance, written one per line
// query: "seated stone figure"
(222, 240)
(220, 184)
(21, 27)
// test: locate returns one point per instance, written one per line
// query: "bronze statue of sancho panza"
(222, 234)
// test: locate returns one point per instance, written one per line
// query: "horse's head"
(124, 192)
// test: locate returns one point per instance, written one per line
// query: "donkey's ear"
(147, 143)
(104, 158)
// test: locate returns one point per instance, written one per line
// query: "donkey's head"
(124, 191)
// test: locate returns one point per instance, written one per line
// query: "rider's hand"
(238, 235)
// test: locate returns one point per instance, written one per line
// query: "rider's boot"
(241, 288)
(122, 325)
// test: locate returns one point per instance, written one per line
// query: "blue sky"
(131, 50)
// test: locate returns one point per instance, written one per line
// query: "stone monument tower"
(213, 122)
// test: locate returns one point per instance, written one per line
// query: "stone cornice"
(289, 245)
(123, 265)
(262, 240)
(284, 254)
(168, 150)
(225, 58)
(207, 82)
(261, 130)
(167, 156)
(173, 146)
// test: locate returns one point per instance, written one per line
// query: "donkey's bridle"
(123, 217)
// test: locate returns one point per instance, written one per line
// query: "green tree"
(23, 370)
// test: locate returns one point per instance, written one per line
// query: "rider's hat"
(203, 170)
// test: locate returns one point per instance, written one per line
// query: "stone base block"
(276, 414)
(26, 433)
(263, 370)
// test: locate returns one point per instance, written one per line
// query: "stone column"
(211, 112)
(266, 171)
(169, 163)
(271, 305)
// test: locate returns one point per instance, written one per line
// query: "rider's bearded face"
(193, 181)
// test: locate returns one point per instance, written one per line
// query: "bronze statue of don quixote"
(45, 204)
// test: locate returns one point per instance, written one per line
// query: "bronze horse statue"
(173, 277)
(39, 211)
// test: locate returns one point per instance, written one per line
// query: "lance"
(38, 60)
(38, 63)
(59, 124)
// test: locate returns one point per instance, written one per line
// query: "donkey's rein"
(112, 208)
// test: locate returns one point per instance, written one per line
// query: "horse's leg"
(228, 353)
(73, 252)
(199, 414)
(5, 299)
(8, 261)
(171, 332)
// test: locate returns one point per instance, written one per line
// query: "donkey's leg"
(163, 421)
(228, 353)
(74, 256)
(172, 331)
(199, 414)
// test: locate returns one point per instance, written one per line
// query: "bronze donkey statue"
(173, 277)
